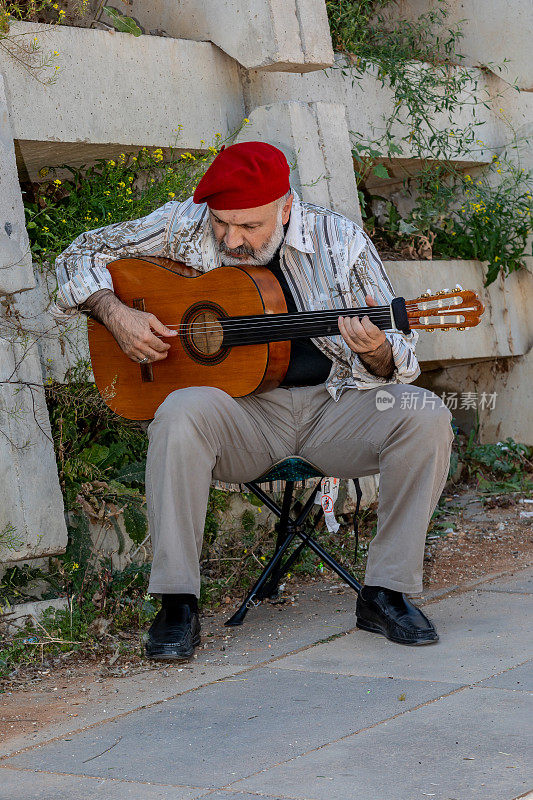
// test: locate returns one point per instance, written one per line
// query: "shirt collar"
(298, 233)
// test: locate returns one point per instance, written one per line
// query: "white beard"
(258, 257)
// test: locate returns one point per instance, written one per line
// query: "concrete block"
(263, 34)
(314, 137)
(505, 328)
(367, 103)
(17, 615)
(115, 88)
(509, 380)
(31, 503)
(493, 35)
(16, 272)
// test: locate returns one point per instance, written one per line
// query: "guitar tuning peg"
(446, 291)
(458, 287)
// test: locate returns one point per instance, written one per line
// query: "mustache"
(242, 250)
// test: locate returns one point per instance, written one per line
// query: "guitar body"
(154, 285)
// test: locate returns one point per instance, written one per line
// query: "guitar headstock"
(445, 310)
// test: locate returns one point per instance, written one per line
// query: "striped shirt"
(328, 260)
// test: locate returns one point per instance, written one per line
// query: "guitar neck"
(308, 324)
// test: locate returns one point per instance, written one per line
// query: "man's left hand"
(369, 342)
(361, 335)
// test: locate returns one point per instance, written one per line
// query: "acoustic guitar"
(234, 330)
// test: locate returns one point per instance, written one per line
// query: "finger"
(158, 326)
(369, 300)
(369, 327)
(150, 340)
(345, 327)
(150, 354)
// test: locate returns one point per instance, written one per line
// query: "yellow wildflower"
(111, 163)
(172, 194)
(57, 182)
(56, 52)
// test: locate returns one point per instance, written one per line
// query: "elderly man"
(244, 211)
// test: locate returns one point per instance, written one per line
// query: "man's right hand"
(132, 329)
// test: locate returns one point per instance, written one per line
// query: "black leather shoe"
(174, 637)
(391, 614)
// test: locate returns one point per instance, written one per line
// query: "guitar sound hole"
(203, 334)
(206, 333)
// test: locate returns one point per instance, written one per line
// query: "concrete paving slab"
(472, 745)
(228, 730)
(121, 696)
(31, 785)
(271, 630)
(519, 582)
(481, 634)
(223, 795)
(519, 678)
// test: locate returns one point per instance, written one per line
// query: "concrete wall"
(495, 34)
(15, 260)
(206, 66)
(263, 34)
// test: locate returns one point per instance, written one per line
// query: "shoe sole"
(162, 656)
(366, 626)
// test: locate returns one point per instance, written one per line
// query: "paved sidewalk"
(285, 713)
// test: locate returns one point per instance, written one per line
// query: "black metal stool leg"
(271, 587)
(331, 562)
(238, 617)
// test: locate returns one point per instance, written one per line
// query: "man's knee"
(186, 409)
(426, 414)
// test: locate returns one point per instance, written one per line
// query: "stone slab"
(231, 729)
(114, 88)
(521, 582)
(472, 745)
(518, 678)
(16, 271)
(31, 785)
(481, 634)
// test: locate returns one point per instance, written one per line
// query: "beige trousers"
(201, 433)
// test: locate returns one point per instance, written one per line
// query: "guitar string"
(266, 322)
(308, 317)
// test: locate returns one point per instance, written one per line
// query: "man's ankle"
(172, 602)
(371, 592)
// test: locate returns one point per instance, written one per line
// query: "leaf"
(380, 171)
(95, 454)
(135, 523)
(123, 24)
(132, 473)
(406, 227)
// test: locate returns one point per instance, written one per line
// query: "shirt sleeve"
(81, 269)
(368, 276)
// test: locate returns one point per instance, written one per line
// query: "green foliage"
(112, 190)
(122, 23)
(488, 218)
(418, 60)
(502, 467)
(24, 47)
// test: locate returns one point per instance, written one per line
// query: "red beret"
(244, 175)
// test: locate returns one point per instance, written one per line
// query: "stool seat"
(293, 469)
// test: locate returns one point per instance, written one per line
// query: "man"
(244, 212)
